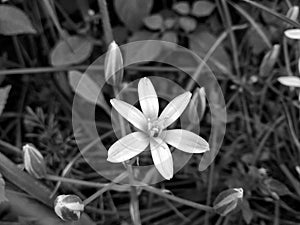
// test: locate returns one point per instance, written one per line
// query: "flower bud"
(68, 207)
(34, 161)
(293, 13)
(269, 61)
(228, 200)
(113, 65)
(197, 106)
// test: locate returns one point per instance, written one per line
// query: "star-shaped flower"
(152, 130)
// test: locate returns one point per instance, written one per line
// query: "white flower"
(152, 130)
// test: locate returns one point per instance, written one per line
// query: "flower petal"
(128, 147)
(130, 113)
(162, 157)
(148, 98)
(186, 141)
(175, 108)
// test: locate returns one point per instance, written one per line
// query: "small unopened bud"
(228, 200)
(34, 161)
(68, 207)
(113, 65)
(269, 61)
(293, 13)
(197, 106)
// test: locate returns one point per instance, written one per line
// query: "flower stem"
(176, 199)
(134, 203)
(106, 188)
(105, 22)
(115, 187)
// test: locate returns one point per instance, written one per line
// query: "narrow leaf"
(24, 181)
(24, 206)
(2, 190)
(3, 97)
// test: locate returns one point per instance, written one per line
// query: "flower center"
(154, 129)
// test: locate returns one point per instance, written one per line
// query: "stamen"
(154, 128)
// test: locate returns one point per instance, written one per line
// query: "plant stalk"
(108, 35)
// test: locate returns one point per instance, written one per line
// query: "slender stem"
(286, 57)
(209, 191)
(85, 183)
(177, 199)
(106, 188)
(232, 37)
(41, 70)
(134, 203)
(11, 149)
(18, 50)
(105, 22)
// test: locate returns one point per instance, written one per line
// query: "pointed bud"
(68, 207)
(113, 65)
(293, 13)
(228, 200)
(197, 106)
(269, 61)
(34, 161)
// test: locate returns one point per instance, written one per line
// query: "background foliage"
(45, 47)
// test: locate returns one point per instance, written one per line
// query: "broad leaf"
(72, 50)
(182, 8)
(201, 42)
(170, 36)
(14, 21)
(2, 190)
(87, 89)
(154, 22)
(202, 8)
(188, 24)
(132, 12)
(142, 48)
(3, 97)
